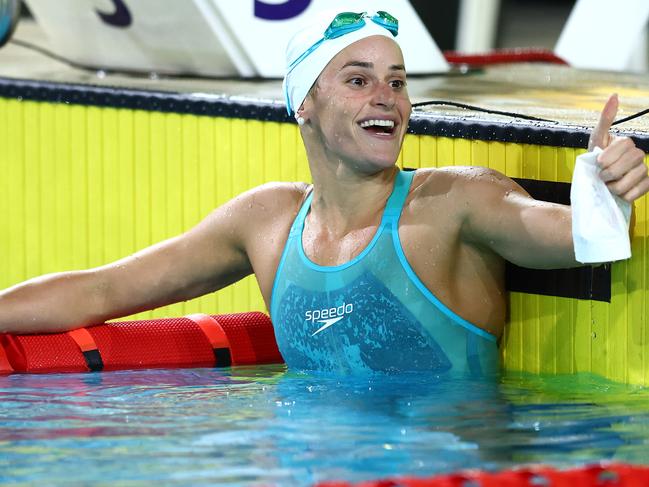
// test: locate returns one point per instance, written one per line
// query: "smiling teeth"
(380, 123)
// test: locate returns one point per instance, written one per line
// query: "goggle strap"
(302, 56)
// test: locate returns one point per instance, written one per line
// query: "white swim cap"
(308, 52)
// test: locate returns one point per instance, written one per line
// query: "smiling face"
(359, 107)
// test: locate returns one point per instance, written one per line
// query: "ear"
(300, 116)
(306, 108)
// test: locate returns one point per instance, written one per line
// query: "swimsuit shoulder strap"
(398, 197)
(298, 223)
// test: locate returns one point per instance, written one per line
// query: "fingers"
(600, 136)
(624, 169)
(619, 157)
(632, 185)
(637, 191)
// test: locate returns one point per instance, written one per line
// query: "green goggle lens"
(346, 22)
(344, 19)
(388, 21)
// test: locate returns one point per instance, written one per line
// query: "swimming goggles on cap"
(344, 23)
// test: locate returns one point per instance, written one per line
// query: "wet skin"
(458, 225)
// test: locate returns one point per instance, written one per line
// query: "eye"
(356, 81)
(397, 84)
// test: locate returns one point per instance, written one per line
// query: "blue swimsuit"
(372, 313)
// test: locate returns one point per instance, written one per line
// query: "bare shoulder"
(270, 205)
(276, 198)
(261, 224)
(461, 193)
(260, 208)
(461, 179)
(274, 194)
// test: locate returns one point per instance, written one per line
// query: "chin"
(385, 160)
(377, 165)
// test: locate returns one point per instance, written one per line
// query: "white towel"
(600, 219)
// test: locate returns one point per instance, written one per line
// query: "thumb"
(600, 136)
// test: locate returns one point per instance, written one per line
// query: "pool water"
(266, 426)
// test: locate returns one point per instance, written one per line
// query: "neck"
(345, 198)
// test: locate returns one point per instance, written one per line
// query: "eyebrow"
(363, 64)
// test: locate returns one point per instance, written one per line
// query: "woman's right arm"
(202, 260)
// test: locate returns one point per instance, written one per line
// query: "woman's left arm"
(537, 234)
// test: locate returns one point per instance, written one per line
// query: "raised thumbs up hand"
(623, 168)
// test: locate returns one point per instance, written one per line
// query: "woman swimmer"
(368, 268)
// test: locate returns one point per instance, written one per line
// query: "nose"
(384, 96)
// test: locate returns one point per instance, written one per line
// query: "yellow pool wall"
(82, 186)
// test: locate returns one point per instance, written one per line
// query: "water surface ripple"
(265, 426)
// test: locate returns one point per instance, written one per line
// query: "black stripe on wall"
(516, 131)
(593, 283)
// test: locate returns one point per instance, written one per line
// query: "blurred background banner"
(600, 34)
(207, 37)
(165, 36)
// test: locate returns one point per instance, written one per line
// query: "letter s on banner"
(280, 11)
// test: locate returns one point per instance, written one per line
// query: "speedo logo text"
(328, 316)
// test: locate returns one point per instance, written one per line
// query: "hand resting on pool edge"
(457, 226)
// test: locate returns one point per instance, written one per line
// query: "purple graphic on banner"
(121, 17)
(280, 11)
